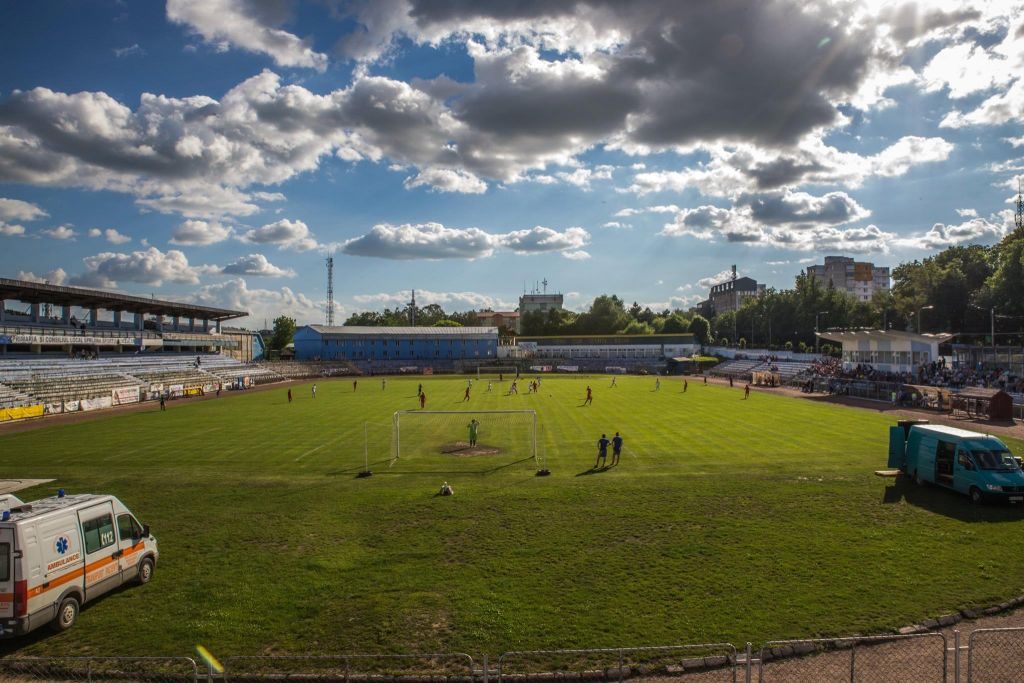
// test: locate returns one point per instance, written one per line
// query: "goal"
(496, 371)
(509, 434)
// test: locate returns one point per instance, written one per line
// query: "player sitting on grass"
(447, 490)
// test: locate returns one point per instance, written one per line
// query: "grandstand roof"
(355, 330)
(881, 335)
(39, 293)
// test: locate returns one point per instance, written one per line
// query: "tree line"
(963, 289)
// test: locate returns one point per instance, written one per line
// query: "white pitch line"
(311, 450)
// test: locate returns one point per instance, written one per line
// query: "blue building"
(439, 346)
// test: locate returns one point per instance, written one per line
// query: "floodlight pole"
(816, 338)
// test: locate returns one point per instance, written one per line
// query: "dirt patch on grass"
(462, 449)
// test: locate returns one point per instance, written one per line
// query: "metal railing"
(454, 667)
(916, 658)
(150, 669)
(679, 662)
(993, 655)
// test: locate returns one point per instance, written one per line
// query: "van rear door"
(6, 572)
(102, 570)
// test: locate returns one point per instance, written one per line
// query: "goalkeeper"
(474, 427)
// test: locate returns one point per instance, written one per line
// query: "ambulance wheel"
(146, 571)
(67, 615)
(976, 496)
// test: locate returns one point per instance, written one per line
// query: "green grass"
(728, 520)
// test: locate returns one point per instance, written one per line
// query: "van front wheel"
(975, 495)
(145, 571)
(67, 615)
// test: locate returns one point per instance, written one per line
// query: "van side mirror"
(145, 531)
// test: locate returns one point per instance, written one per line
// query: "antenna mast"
(412, 308)
(330, 290)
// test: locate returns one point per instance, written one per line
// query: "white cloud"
(717, 278)
(262, 304)
(435, 241)
(447, 180)
(200, 233)
(578, 255)
(132, 50)
(151, 267)
(61, 232)
(112, 235)
(422, 241)
(56, 276)
(11, 230)
(256, 265)
(18, 210)
(583, 177)
(737, 169)
(674, 303)
(1016, 142)
(941, 235)
(617, 225)
(286, 234)
(450, 301)
(540, 239)
(967, 213)
(250, 26)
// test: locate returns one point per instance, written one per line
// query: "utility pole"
(412, 309)
(817, 340)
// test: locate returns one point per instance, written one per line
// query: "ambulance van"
(58, 553)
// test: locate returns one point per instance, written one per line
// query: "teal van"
(977, 465)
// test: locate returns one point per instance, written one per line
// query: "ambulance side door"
(6, 573)
(99, 539)
(131, 545)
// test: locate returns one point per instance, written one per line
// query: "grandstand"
(73, 348)
(54, 382)
(742, 368)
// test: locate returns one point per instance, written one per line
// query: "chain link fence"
(66, 669)
(995, 655)
(711, 662)
(428, 668)
(919, 658)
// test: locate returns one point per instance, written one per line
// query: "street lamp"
(816, 339)
(922, 308)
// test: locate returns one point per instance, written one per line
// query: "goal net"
(505, 372)
(492, 438)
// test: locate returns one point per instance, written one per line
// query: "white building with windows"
(887, 350)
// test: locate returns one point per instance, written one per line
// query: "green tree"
(637, 327)
(701, 328)
(284, 330)
(446, 322)
(676, 324)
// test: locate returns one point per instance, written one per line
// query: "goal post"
(511, 434)
(496, 371)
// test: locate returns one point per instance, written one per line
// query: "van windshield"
(994, 460)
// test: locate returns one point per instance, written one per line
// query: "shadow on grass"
(594, 470)
(949, 503)
(12, 646)
(393, 472)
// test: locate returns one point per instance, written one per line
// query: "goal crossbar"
(396, 422)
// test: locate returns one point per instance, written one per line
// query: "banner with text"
(123, 395)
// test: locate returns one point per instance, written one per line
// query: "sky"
(217, 151)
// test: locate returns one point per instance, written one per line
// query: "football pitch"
(726, 520)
